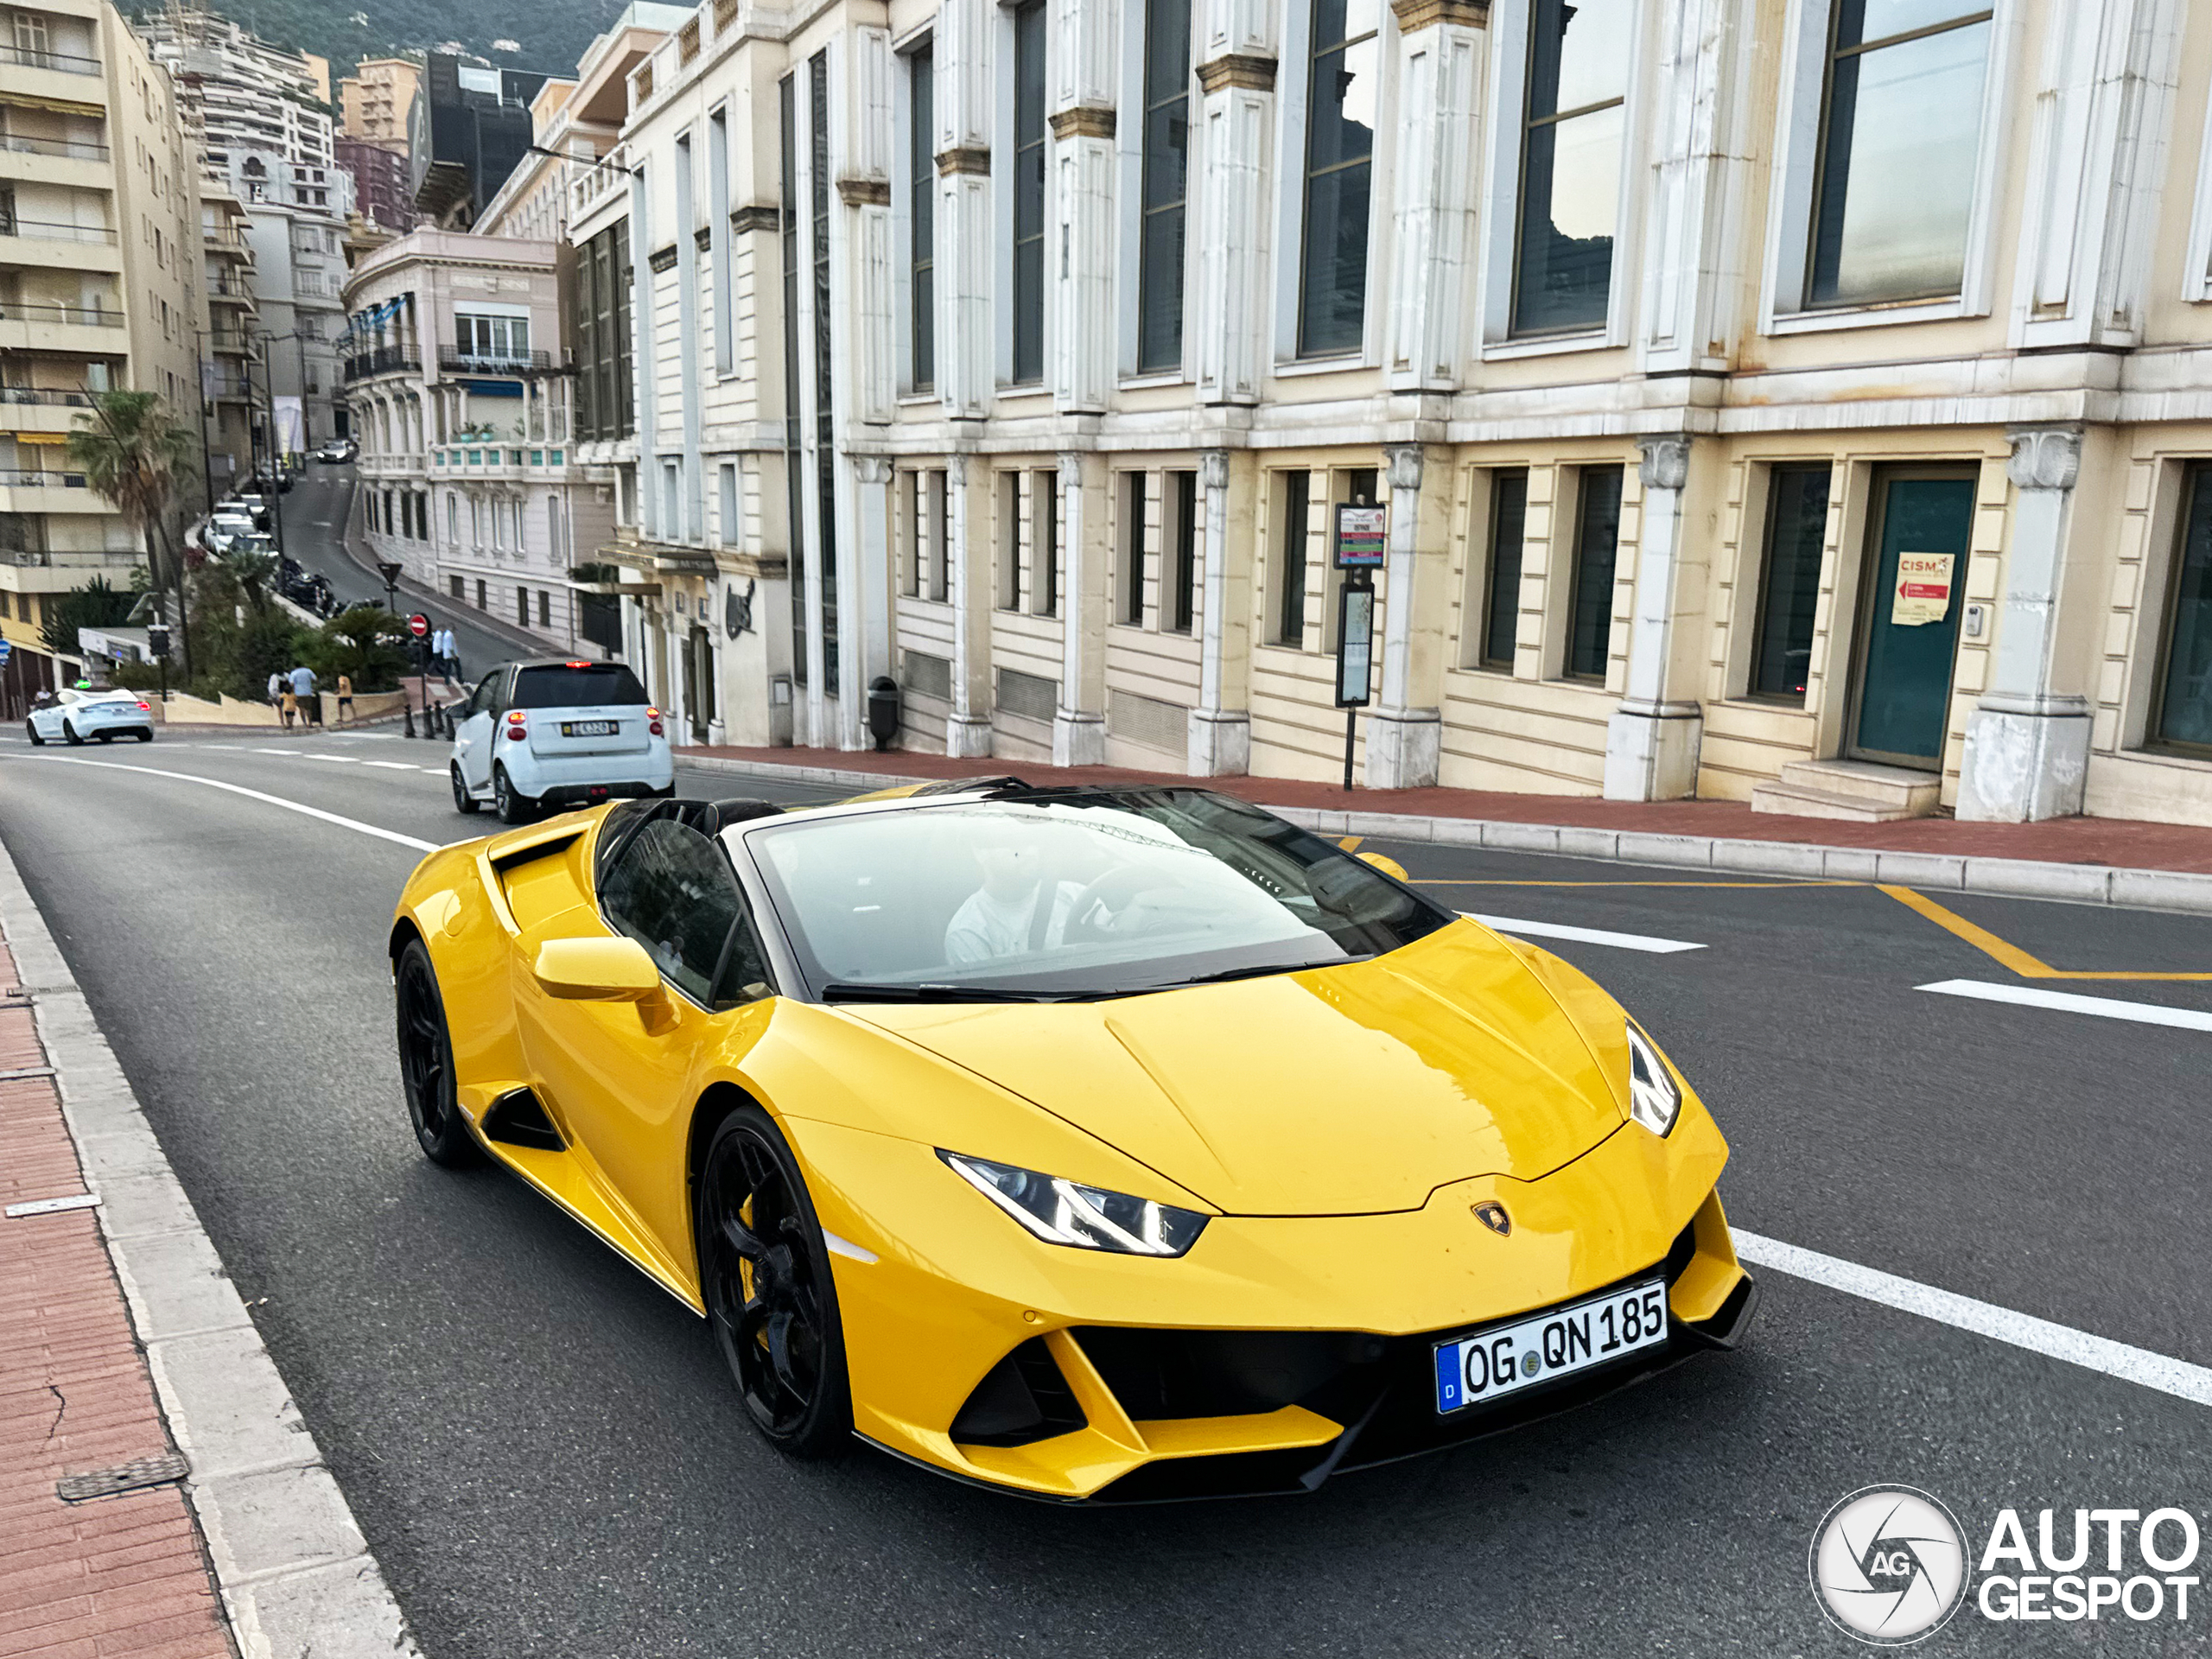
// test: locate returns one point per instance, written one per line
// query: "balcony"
(65, 63)
(385, 359)
(64, 162)
(58, 246)
(51, 325)
(51, 397)
(452, 360)
(26, 490)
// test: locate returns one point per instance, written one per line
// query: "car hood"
(1355, 1090)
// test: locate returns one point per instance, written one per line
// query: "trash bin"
(883, 710)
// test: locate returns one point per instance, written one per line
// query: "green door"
(1913, 599)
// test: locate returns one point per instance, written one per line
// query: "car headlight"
(1086, 1218)
(1655, 1100)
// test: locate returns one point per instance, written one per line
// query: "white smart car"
(555, 735)
(74, 716)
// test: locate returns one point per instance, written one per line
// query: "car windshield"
(576, 685)
(1079, 895)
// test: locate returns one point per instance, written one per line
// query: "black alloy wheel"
(69, 731)
(511, 805)
(426, 1063)
(463, 800)
(764, 1277)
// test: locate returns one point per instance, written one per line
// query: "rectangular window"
(794, 471)
(544, 609)
(1509, 522)
(455, 584)
(492, 339)
(1044, 543)
(940, 539)
(718, 221)
(1790, 581)
(1344, 69)
(1573, 120)
(1590, 602)
(1029, 193)
(1009, 571)
(2184, 712)
(825, 429)
(1901, 133)
(726, 503)
(522, 605)
(1290, 544)
(1181, 602)
(909, 574)
(921, 276)
(672, 499)
(482, 601)
(1128, 608)
(1166, 181)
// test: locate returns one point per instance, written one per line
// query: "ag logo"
(1492, 1214)
(1889, 1566)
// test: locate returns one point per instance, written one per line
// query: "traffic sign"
(418, 625)
(390, 570)
(6, 651)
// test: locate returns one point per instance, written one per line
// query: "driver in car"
(1004, 917)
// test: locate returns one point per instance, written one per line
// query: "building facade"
(374, 101)
(381, 186)
(230, 351)
(469, 127)
(99, 289)
(461, 403)
(1783, 399)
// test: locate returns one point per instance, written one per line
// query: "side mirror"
(1389, 866)
(596, 970)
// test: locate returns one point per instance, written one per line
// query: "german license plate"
(1470, 1371)
(589, 727)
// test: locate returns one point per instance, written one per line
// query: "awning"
(40, 437)
(57, 105)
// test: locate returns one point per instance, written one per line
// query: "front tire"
(69, 733)
(31, 732)
(426, 1063)
(765, 1276)
(463, 800)
(511, 805)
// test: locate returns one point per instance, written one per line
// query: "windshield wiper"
(837, 992)
(1252, 971)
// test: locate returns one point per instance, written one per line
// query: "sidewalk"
(2095, 859)
(121, 1574)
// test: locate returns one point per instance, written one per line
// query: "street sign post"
(1359, 540)
(157, 641)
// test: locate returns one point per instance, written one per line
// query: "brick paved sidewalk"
(120, 1575)
(2118, 842)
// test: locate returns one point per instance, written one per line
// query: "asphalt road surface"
(547, 1459)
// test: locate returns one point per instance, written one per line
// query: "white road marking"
(2139, 1365)
(390, 765)
(1582, 935)
(342, 760)
(250, 794)
(284, 751)
(2110, 1007)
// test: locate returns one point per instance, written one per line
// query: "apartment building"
(258, 117)
(374, 101)
(461, 402)
(1787, 399)
(229, 351)
(99, 289)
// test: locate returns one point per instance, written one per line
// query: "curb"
(295, 1574)
(2010, 878)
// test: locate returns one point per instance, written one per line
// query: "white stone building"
(1754, 387)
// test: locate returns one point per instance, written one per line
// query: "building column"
(1236, 117)
(2027, 748)
(1652, 742)
(968, 511)
(1221, 726)
(1441, 47)
(1405, 732)
(966, 238)
(1087, 61)
(1079, 724)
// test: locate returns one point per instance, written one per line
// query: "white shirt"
(985, 929)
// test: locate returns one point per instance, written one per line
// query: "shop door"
(1909, 633)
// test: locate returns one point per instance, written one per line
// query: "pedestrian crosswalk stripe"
(2109, 1007)
(1582, 935)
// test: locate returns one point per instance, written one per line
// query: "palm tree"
(132, 452)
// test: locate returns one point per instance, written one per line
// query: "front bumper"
(1280, 1350)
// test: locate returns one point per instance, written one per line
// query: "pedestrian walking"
(276, 689)
(288, 705)
(305, 689)
(345, 698)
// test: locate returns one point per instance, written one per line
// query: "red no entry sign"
(418, 625)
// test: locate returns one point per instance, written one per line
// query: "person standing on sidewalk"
(304, 688)
(345, 698)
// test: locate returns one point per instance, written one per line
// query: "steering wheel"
(1096, 905)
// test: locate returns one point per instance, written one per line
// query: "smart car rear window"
(566, 687)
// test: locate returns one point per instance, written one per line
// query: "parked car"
(337, 452)
(75, 715)
(556, 734)
(226, 527)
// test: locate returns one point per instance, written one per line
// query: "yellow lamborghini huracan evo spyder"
(1110, 1144)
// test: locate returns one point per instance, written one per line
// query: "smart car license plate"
(588, 728)
(1491, 1364)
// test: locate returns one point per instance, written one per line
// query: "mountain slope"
(551, 37)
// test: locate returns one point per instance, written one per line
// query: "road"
(548, 1459)
(314, 527)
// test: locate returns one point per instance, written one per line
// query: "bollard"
(407, 714)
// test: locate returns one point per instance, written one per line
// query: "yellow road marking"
(2011, 955)
(1350, 844)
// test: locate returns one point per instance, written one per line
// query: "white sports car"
(75, 715)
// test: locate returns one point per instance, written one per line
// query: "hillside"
(551, 37)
